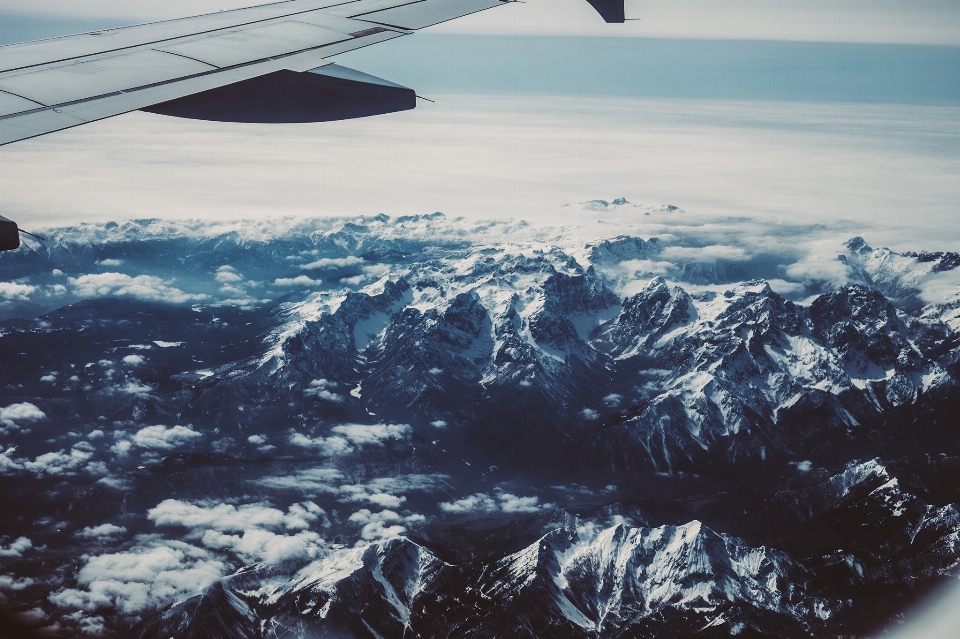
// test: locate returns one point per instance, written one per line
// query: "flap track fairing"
(328, 93)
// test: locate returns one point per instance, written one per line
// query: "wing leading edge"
(217, 66)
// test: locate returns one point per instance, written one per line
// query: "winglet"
(611, 10)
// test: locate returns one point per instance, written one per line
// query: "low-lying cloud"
(164, 437)
(141, 287)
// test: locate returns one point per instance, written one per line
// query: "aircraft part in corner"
(610, 10)
(324, 94)
(9, 235)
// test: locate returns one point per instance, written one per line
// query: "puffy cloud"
(502, 501)
(386, 491)
(144, 578)
(263, 545)
(300, 280)
(135, 388)
(476, 503)
(513, 504)
(940, 287)
(15, 415)
(257, 440)
(383, 525)
(247, 530)
(320, 388)
(59, 463)
(122, 447)
(8, 463)
(230, 518)
(333, 263)
(9, 582)
(110, 262)
(164, 438)
(439, 424)
(142, 287)
(590, 414)
(612, 400)
(103, 532)
(330, 446)
(228, 275)
(133, 360)
(13, 291)
(374, 434)
(15, 548)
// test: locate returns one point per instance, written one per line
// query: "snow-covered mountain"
(407, 427)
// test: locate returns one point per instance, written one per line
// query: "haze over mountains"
(395, 426)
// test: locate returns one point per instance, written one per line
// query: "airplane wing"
(268, 63)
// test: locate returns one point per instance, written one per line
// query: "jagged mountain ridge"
(618, 581)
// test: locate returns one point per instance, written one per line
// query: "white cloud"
(133, 360)
(612, 400)
(804, 466)
(590, 414)
(513, 504)
(103, 532)
(122, 447)
(228, 275)
(484, 503)
(477, 503)
(257, 440)
(136, 388)
(165, 438)
(439, 423)
(141, 579)
(230, 518)
(263, 545)
(940, 287)
(59, 463)
(310, 480)
(248, 530)
(383, 525)
(348, 436)
(8, 463)
(330, 446)
(19, 292)
(374, 434)
(300, 280)
(320, 388)
(332, 263)
(15, 415)
(9, 582)
(110, 262)
(783, 287)
(15, 548)
(142, 287)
